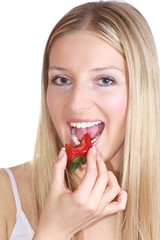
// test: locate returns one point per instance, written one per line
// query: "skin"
(83, 59)
(22, 174)
(91, 209)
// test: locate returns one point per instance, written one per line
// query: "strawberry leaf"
(77, 160)
(74, 166)
(83, 160)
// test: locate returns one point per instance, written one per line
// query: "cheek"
(119, 106)
(54, 104)
(116, 107)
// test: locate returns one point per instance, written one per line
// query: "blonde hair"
(122, 26)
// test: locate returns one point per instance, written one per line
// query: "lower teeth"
(92, 141)
(75, 139)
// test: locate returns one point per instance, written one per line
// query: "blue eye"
(60, 81)
(106, 81)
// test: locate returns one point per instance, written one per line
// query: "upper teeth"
(84, 124)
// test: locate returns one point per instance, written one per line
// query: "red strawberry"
(77, 154)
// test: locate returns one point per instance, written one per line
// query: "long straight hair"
(125, 29)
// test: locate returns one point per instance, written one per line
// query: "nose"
(80, 99)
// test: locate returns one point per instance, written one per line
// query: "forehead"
(86, 49)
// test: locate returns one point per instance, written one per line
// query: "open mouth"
(77, 130)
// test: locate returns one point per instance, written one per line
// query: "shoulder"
(7, 202)
(5, 191)
(22, 173)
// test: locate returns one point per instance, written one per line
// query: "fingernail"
(61, 152)
(94, 150)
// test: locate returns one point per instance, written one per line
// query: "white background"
(24, 29)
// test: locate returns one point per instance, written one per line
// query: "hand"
(66, 212)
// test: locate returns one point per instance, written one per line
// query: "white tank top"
(22, 229)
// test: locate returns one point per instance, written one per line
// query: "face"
(87, 92)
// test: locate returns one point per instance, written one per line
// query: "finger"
(58, 169)
(86, 186)
(101, 182)
(112, 190)
(118, 205)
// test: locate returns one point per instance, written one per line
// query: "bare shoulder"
(4, 193)
(7, 201)
(7, 210)
(22, 174)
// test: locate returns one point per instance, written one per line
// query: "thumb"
(59, 168)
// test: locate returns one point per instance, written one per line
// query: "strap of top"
(14, 188)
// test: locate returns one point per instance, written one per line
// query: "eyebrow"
(106, 68)
(57, 68)
(92, 70)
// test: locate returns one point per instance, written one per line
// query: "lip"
(80, 121)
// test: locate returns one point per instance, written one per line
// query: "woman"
(100, 68)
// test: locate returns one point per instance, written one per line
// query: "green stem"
(76, 162)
